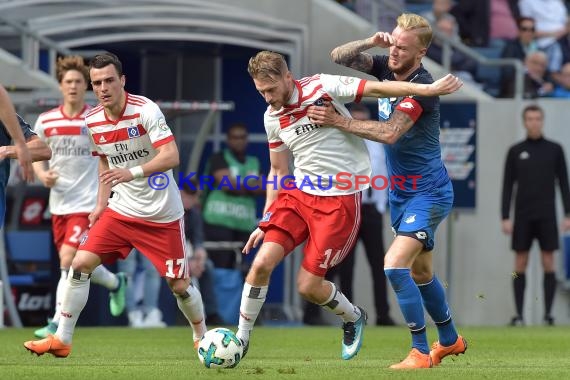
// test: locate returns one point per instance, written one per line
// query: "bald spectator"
(537, 80)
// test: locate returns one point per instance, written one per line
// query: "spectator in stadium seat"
(230, 213)
(133, 140)
(534, 165)
(518, 48)
(550, 18)
(386, 16)
(439, 9)
(537, 79)
(15, 130)
(312, 207)
(564, 43)
(410, 128)
(485, 23)
(562, 88)
(461, 65)
(71, 175)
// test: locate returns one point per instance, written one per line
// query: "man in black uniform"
(534, 165)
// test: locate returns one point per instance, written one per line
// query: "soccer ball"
(220, 348)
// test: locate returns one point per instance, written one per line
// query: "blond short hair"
(419, 25)
(267, 65)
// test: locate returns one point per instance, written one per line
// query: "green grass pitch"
(303, 353)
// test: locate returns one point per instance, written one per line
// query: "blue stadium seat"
(30, 253)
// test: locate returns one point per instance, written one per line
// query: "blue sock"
(433, 295)
(410, 301)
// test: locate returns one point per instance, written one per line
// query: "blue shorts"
(419, 215)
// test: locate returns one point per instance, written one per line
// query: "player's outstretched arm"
(38, 150)
(446, 85)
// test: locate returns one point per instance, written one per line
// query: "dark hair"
(522, 19)
(532, 108)
(237, 126)
(104, 60)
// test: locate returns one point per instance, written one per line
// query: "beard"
(402, 68)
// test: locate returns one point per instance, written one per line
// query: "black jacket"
(535, 166)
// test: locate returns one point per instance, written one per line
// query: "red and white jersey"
(130, 141)
(75, 190)
(320, 153)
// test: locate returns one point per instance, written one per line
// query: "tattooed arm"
(352, 53)
(387, 132)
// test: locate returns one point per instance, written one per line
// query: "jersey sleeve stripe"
(165, 140)
(275, 144)
(360, 90)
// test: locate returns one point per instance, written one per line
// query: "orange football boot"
(438, 352)
(51, 345)
(414, 360)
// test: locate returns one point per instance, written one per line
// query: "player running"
(72, 179)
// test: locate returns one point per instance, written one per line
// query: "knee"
(304, 290)
(85, 262)
(260, 270)
(422, 276)
(178, 286)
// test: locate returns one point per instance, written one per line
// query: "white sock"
(61, 284)
(252, 300)
(102, 276)
(338, 304)
(74, 300)
(190, 304)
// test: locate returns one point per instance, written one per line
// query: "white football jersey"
(320, 153)
(75, 190)
(131, 141)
